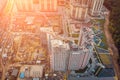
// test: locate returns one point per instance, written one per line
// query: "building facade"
(78, 57)
(78, 60)
(37, 5)
(59, 55)
(79, 9)
(78, 12)
(95, 7)
(48, 5)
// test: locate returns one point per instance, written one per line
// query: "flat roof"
(36, 70)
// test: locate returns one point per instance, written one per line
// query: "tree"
(113, 6)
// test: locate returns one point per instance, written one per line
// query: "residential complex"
(96, 7)
(55, 40)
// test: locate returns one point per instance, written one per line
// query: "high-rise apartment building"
(79, 56)
(48, 5)
(37, 5)
(78, 60)
(24, 5)
(59, 55)
(95, 7)
(78, 12)
(68, 57)
(59, 58)
(79, 9)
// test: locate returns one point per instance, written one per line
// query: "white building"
(79, 58)
(73, 56)
(48, 5)
(59, 55)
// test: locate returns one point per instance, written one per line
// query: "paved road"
(113, 49)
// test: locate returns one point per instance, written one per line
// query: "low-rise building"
(36, 71)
